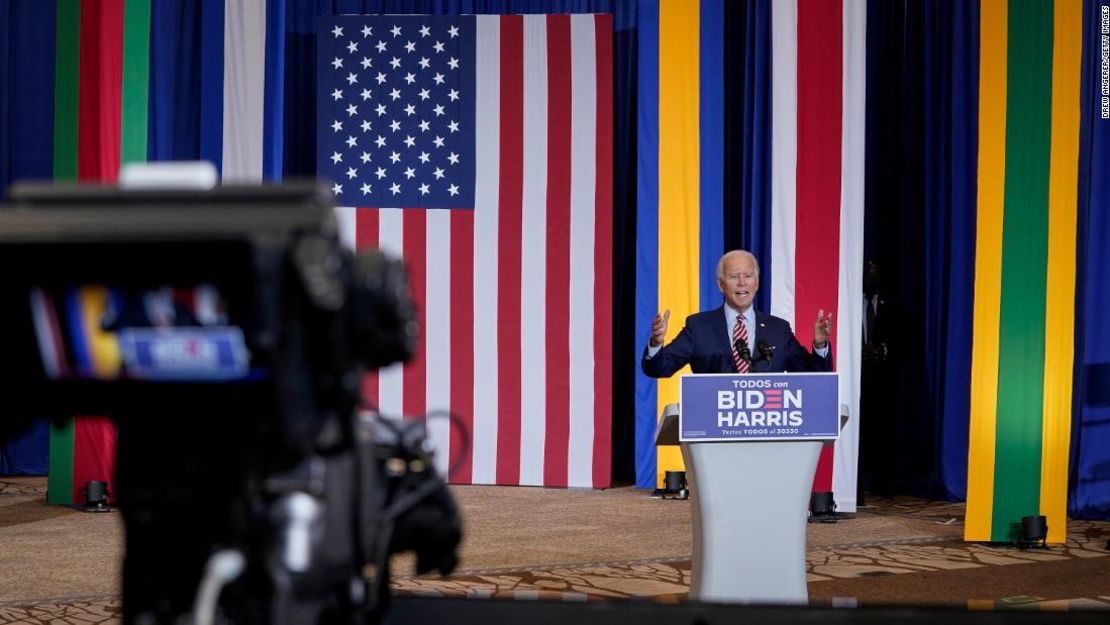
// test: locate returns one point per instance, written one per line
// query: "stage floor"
(579, 545)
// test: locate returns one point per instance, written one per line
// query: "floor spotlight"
(96, 496)
(1033, 533)
(674, 485)
(822, 508)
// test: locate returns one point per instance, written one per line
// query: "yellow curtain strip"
(679, 178)
(103, 347)
(1059, 350)
(988, 267)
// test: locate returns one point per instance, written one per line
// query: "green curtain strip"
(1019, 422)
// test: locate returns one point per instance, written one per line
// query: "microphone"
(765, 350)
(741, 347)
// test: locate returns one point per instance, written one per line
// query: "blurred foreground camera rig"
(226, 332)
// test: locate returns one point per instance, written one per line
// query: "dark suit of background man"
(878, 377)
(717, 341)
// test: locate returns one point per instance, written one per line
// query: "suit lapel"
(761, 333)
(760, 326)
(721, 333)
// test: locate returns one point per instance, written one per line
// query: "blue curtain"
(747, 158)
(645, 288)
(26, 91)
(625, 77)
(26, 152)
(922, 68)
(27, 454)
(1090, 456)
(951, 190)
(955, 279)
(173, 127)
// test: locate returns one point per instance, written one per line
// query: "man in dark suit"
(879, 378)
(875, 319)
(736, 338)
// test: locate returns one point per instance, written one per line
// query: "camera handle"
(223, 568)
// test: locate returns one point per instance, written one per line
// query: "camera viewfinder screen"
(164, 333)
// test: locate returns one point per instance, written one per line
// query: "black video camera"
(226, 331)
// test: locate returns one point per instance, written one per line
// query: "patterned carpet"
(669, 579)
(861, 572)
(74, 610)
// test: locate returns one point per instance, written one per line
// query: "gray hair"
(727, 255)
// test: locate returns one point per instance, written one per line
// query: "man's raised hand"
(659, 328)
(821, 329)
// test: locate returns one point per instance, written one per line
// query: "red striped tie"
(740, 333)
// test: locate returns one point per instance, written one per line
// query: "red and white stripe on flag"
(514, 296)
(817, 153)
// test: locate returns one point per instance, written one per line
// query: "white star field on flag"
(396, 103)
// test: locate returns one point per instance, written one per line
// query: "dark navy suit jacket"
(704, 343)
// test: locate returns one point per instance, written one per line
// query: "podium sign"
(759, 406)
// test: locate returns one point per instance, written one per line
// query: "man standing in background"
(876, 387)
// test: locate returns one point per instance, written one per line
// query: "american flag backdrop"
(479, 148)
